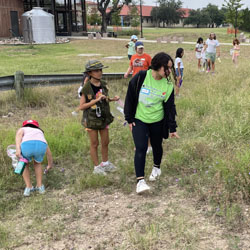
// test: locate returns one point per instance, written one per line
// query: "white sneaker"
(99, 170)
(110, 167)
(149, 150)
(141, 186)
(156, 172)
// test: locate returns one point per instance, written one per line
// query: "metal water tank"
(38, 26)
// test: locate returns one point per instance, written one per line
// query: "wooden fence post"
(19, 84)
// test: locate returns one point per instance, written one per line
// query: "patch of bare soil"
(99, 219)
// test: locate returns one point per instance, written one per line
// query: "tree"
(94, 18)
(215, 15)
(197, 17)
(168, 12)
(115, 18)
(154, 13)
(245, 25)
(102, 6)
(233, 15)
(134, 15)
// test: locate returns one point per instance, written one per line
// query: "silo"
(38, 26)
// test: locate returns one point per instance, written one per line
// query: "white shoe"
(149, 150)
(156, 172)
(110, 167)
(141, 186)
(99, 170)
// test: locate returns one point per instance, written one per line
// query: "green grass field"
(206, 170)
(191, 34)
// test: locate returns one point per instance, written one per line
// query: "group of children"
(202, 53)
(32, 145)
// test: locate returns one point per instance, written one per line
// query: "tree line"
(169, 12)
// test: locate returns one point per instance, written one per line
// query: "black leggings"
(141, 132)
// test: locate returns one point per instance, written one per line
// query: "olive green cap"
(94, 65)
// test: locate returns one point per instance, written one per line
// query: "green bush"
(128, 32)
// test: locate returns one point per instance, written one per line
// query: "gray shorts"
(211, 56)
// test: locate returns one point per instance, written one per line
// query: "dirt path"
(114, 220)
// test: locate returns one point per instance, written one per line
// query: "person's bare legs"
(208, 65)
(104, 133)
(26, 176)
(235, 60)
(177, 90)
(213, 67)
(38, 173)
(199, 64)
(93, 136)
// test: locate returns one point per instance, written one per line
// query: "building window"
(69, 14)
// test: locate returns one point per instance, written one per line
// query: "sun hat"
(139, 45)
(94, 65)
(134, 37)
(31, 122)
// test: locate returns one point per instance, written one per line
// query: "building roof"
(146, 10)
(186, 12)
(90, 3)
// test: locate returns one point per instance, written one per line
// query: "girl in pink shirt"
(32, 145)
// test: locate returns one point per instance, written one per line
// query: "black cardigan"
(131, 102)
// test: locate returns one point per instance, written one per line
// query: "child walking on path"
(131, 46)
(179, 68)
(96, 115)
(198, 49)
(236, 51)
(31, 143)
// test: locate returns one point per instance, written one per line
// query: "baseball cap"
(134, 37)
(94, 65)
(139, 45)
(31, 122)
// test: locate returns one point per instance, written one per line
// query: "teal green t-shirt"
(152, 95)
(131, 48)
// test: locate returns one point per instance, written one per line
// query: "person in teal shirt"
(131, 46)
(150, 112)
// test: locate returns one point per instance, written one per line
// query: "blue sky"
(195, 4)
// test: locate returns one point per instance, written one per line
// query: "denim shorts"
(177, 72)
(33, 149)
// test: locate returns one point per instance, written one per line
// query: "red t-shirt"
(139, 63)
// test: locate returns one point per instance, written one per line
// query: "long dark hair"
(179, 52)
(200, 39)
(162, 59)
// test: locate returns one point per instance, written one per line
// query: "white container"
(38, 26)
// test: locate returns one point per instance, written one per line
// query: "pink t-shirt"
(31, 134)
